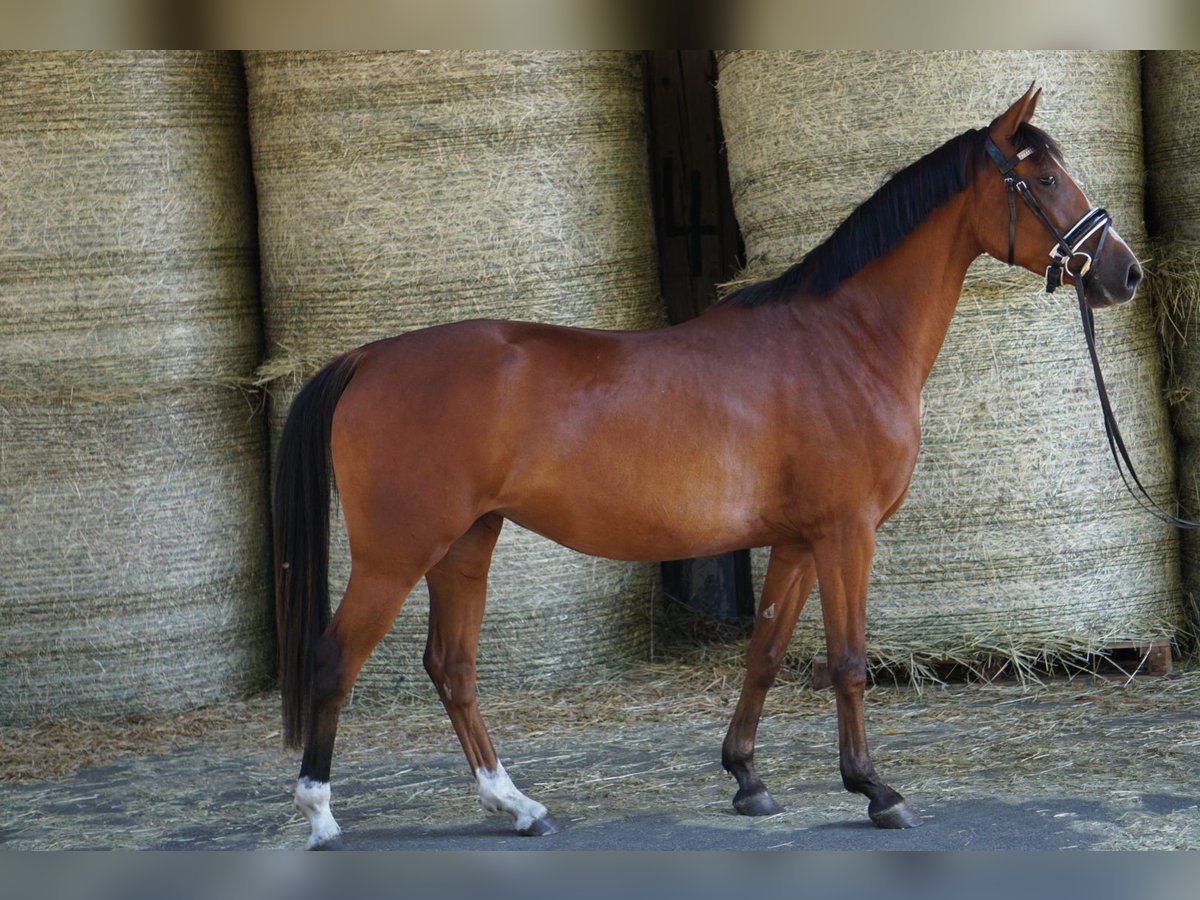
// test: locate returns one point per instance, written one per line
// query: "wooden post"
(698, 246)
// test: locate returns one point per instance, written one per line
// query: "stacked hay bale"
(133, 536)
(1172, 99)
(402, 190)
(1017, 540)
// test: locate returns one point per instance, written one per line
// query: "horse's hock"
(1172, 95)
(1017, 539)
(132, 480)
(398, 191)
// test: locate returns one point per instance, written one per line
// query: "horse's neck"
(904, 301)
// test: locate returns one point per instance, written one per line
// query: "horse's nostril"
(1133, 277)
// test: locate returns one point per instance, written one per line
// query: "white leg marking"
(312, 799)
(497, 793)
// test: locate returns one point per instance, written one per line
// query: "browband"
(1066, 246)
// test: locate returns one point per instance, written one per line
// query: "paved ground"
(1086, 764)
(101, 807)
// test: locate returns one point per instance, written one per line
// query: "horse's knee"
(848, 672)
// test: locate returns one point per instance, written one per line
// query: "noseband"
(1066, 246)
(1065, 250)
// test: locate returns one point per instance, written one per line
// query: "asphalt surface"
(1085, 766)
(117, 806)
(961, 825)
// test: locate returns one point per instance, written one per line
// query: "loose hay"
(1172, 95)
(645, 744)
(401, 190)
(132, 476)
(1017, 540)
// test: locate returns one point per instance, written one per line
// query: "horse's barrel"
(132, 486)
(1017, 539)
(401, 190)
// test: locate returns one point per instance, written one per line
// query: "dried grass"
(1017, 539)
(1172, 90)
(132, 489)
(401, 190)
(645, 743)
(129, 259)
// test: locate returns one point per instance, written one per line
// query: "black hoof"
(898, 815)
(334, 843)
(758, 803)
(539, 827)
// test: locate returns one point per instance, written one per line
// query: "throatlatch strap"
(1012, 218)
(1006, 167)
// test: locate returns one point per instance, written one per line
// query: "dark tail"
(301, 511)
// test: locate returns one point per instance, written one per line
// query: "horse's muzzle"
(1116, 277)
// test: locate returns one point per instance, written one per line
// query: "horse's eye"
(1048, 180)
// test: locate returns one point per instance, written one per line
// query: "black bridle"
(1066, 246)
(1066, 249)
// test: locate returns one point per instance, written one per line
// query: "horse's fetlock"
(736, 755)
(859, 777)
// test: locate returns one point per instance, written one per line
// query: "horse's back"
(555, 427)
(435, 421)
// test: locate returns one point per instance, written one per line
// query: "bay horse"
(785, 416)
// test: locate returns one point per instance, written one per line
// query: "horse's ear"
(1005, 126)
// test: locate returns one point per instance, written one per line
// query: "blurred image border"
(592, 876)
(610, 24)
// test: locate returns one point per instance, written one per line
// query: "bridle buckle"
(1062, 264)
(1066, 246)
(1083, 269)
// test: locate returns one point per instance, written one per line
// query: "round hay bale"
(133, 535)
(1172, 122)
(1172, 98)
(402, 190)
(1017, 539)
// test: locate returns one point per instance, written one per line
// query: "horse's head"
(1032, 214)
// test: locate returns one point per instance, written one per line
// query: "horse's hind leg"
(362, 619)
(457, 593)
(843, 567)
(789, 580)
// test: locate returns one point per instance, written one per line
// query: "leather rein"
(1066, 250)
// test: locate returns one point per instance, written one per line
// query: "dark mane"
(878, 224)
(883, 220)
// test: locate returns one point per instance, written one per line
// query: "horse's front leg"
(843, 569)
(790, 577)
